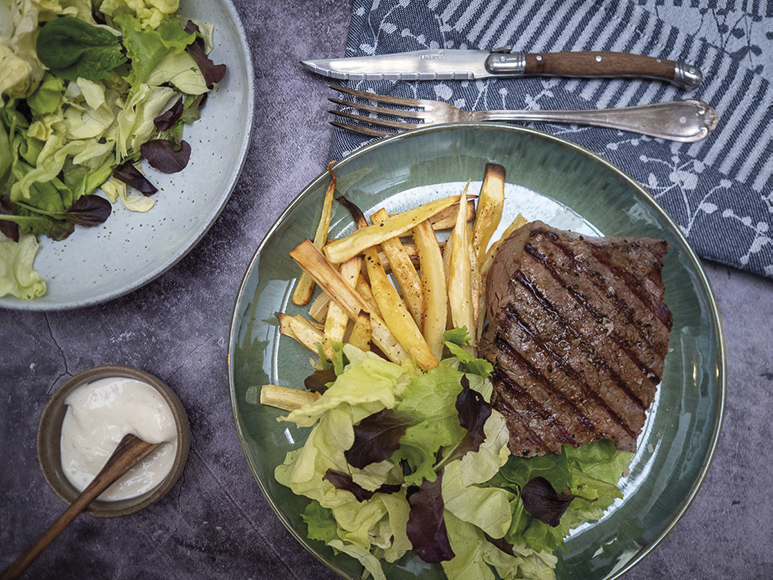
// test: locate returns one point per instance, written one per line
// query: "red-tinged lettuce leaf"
(318, 381)
(8, 228)
(167, 119)
(57, 230)
(377, 437)
(163, 155)
(544, 503)
(473, 411)
(88, 211)
(213, 73)
(426, 527)
(501, 543)
(42, 225)
(131, 176)
(344, 481)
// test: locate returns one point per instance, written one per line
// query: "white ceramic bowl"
(130, 249)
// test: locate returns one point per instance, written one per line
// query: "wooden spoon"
(130, 451)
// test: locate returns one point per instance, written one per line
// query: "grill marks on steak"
(578, 333)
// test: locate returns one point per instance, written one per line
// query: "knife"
(431, 65)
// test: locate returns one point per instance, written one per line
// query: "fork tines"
(373, 118)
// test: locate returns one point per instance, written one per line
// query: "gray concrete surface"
(215, 523)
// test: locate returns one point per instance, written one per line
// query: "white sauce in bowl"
(99, 415)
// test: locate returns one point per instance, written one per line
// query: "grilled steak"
(577, 333)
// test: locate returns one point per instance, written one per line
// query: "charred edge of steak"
(578, 333)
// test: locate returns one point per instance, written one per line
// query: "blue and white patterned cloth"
(719, 190)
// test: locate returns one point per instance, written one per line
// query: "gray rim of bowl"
(645, 195)
(17, 304)
(49, 433)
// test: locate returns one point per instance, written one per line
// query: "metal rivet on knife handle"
(595, 64)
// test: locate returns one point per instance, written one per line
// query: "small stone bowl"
(50, 432)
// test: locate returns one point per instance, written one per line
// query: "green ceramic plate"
(548, 179)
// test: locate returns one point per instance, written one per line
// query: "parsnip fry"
(318, 307)
(412, 256)
(481, 307)
(341, 250)
(459, 272)
(490, 205)
(475, 288)
(285, 398)
(305, 287)
(362, 286)
(362, 333)
(337, 318)
(300, 329)
(403, 270)
(409, 248)
(312, 261)
(446, 219)
(366, 293)
(396, 315)
(386, 341)
(433, 282)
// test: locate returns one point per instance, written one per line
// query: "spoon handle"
(130, 451)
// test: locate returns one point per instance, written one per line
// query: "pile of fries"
(439, 285)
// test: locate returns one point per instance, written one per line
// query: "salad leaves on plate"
(71, 49)
(399, 460)
(16, 273)
(82, 101)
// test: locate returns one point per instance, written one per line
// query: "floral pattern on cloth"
(719, 190)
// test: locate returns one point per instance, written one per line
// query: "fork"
(689, 120)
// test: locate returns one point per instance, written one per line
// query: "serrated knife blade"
(452, 64)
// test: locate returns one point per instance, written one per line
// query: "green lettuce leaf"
(365, 387)
(180, 70)
(89, 111)
(320, 522)
(44, 225)
(20, 68)
(589, 471)
(478, 558)
(457, 338)
(431, 400)
(554, 467)
(17, 275)
(149, 12)
(480, 466)
(361, 528)
(48, 97)
(147, 47)
(72, 49)
(135, 121)
(486, 507)
(368, 560)
(84, 181)
(6, 157)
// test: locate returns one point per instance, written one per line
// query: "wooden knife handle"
(611, 64)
